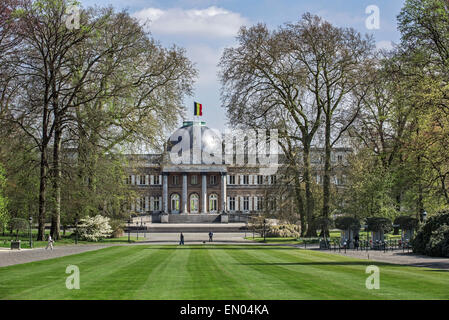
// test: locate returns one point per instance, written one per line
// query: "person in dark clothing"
(356, 241)
(210, 236)
(181, 241)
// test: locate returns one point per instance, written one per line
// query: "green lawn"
(217, 272)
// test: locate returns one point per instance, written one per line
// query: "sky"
(205, 27)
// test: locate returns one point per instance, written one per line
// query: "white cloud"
(210, 22)
(206, 59)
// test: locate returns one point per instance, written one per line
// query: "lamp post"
(76, 228)
(129, 236)
(30, 219)
(424, 216)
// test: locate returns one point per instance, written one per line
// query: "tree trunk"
(311, 229)
(300, 203)
(42, 194)
(326, 178)
(56, 217)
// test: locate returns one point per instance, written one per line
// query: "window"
(213, 179)
(231, 203)
(259, 203)
(175, 180)
(142, 204)
(231, 179)
(129, 180)
(213, 203)
(156, 179)
(156, 204)
(245, 203)
(194, 179)
(259, 179)
(340, 158)
(273, 204)
(175, 203)
(273, 179)
(194, 203)
(245, 179)
(142, 180)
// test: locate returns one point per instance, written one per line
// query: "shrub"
(378, 224)
(94, 228)
(283, 231)
(432, 238)
(347, 223)
(406, 222)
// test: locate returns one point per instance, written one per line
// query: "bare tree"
(295, 78)
(108, 63)
(336, 61)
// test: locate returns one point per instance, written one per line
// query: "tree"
(423, 27)
(4, 217)
(107, 69)
(269, 82)
(336, 61)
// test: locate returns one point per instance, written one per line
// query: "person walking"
(49, 243)
(211, 236)
(181, 240)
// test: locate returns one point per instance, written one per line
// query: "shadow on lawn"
(216, 247)
(329, 263)
(434, 267)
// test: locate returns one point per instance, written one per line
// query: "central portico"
(194, 189)
(191, 185)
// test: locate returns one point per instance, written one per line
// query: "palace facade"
(182, 189)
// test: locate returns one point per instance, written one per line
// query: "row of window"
(144, 179)
(251, 179)
(157, 180)
(234, 203)
(250, 203)
(334, 179)
(320, 159)
(232, 179)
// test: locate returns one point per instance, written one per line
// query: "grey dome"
(198, 136)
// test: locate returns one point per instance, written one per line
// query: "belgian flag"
(197, 109)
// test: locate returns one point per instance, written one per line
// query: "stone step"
(194, 218)
(191, 228)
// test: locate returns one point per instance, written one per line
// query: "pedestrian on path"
(181, 240)
(49, 243)
(210, 236)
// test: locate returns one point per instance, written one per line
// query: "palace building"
(196, 180)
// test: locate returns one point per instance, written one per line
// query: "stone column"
(223, 193)
(165, 193)
(204, 193)
(184, 193)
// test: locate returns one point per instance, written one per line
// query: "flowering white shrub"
(283, 231)
(94, 228)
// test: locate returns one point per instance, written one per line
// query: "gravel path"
(10, 257)
(396, 257)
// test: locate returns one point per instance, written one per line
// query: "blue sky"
(205, 27)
